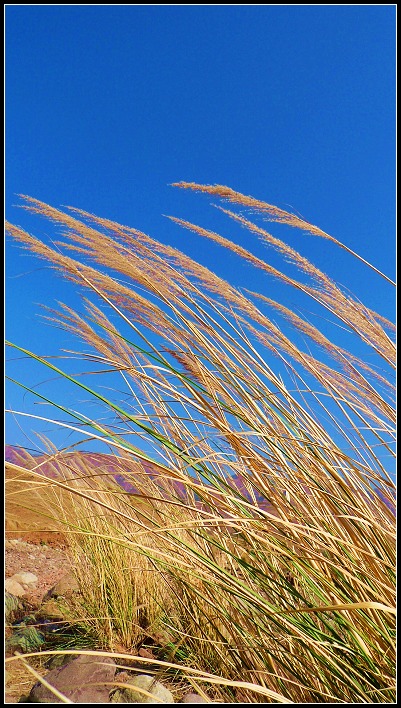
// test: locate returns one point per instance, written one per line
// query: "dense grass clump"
(255, 548)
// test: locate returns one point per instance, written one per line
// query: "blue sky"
(106, 106)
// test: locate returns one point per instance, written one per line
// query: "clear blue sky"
(106, 106)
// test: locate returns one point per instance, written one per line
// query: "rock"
(146, 653)
(20, 583)
(80, 680)
(28, 579)
(66, 586)
(194, 698)
(133, 692)
(14, 588)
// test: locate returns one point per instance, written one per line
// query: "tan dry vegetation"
(278, 564)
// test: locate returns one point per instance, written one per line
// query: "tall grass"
(273, 574)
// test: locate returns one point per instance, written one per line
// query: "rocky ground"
(42, 554)
(45, 555)
(38, 570)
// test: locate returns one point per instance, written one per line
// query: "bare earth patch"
(48, 563)
(44, 553)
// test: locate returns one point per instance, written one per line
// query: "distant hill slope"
(122, 470)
